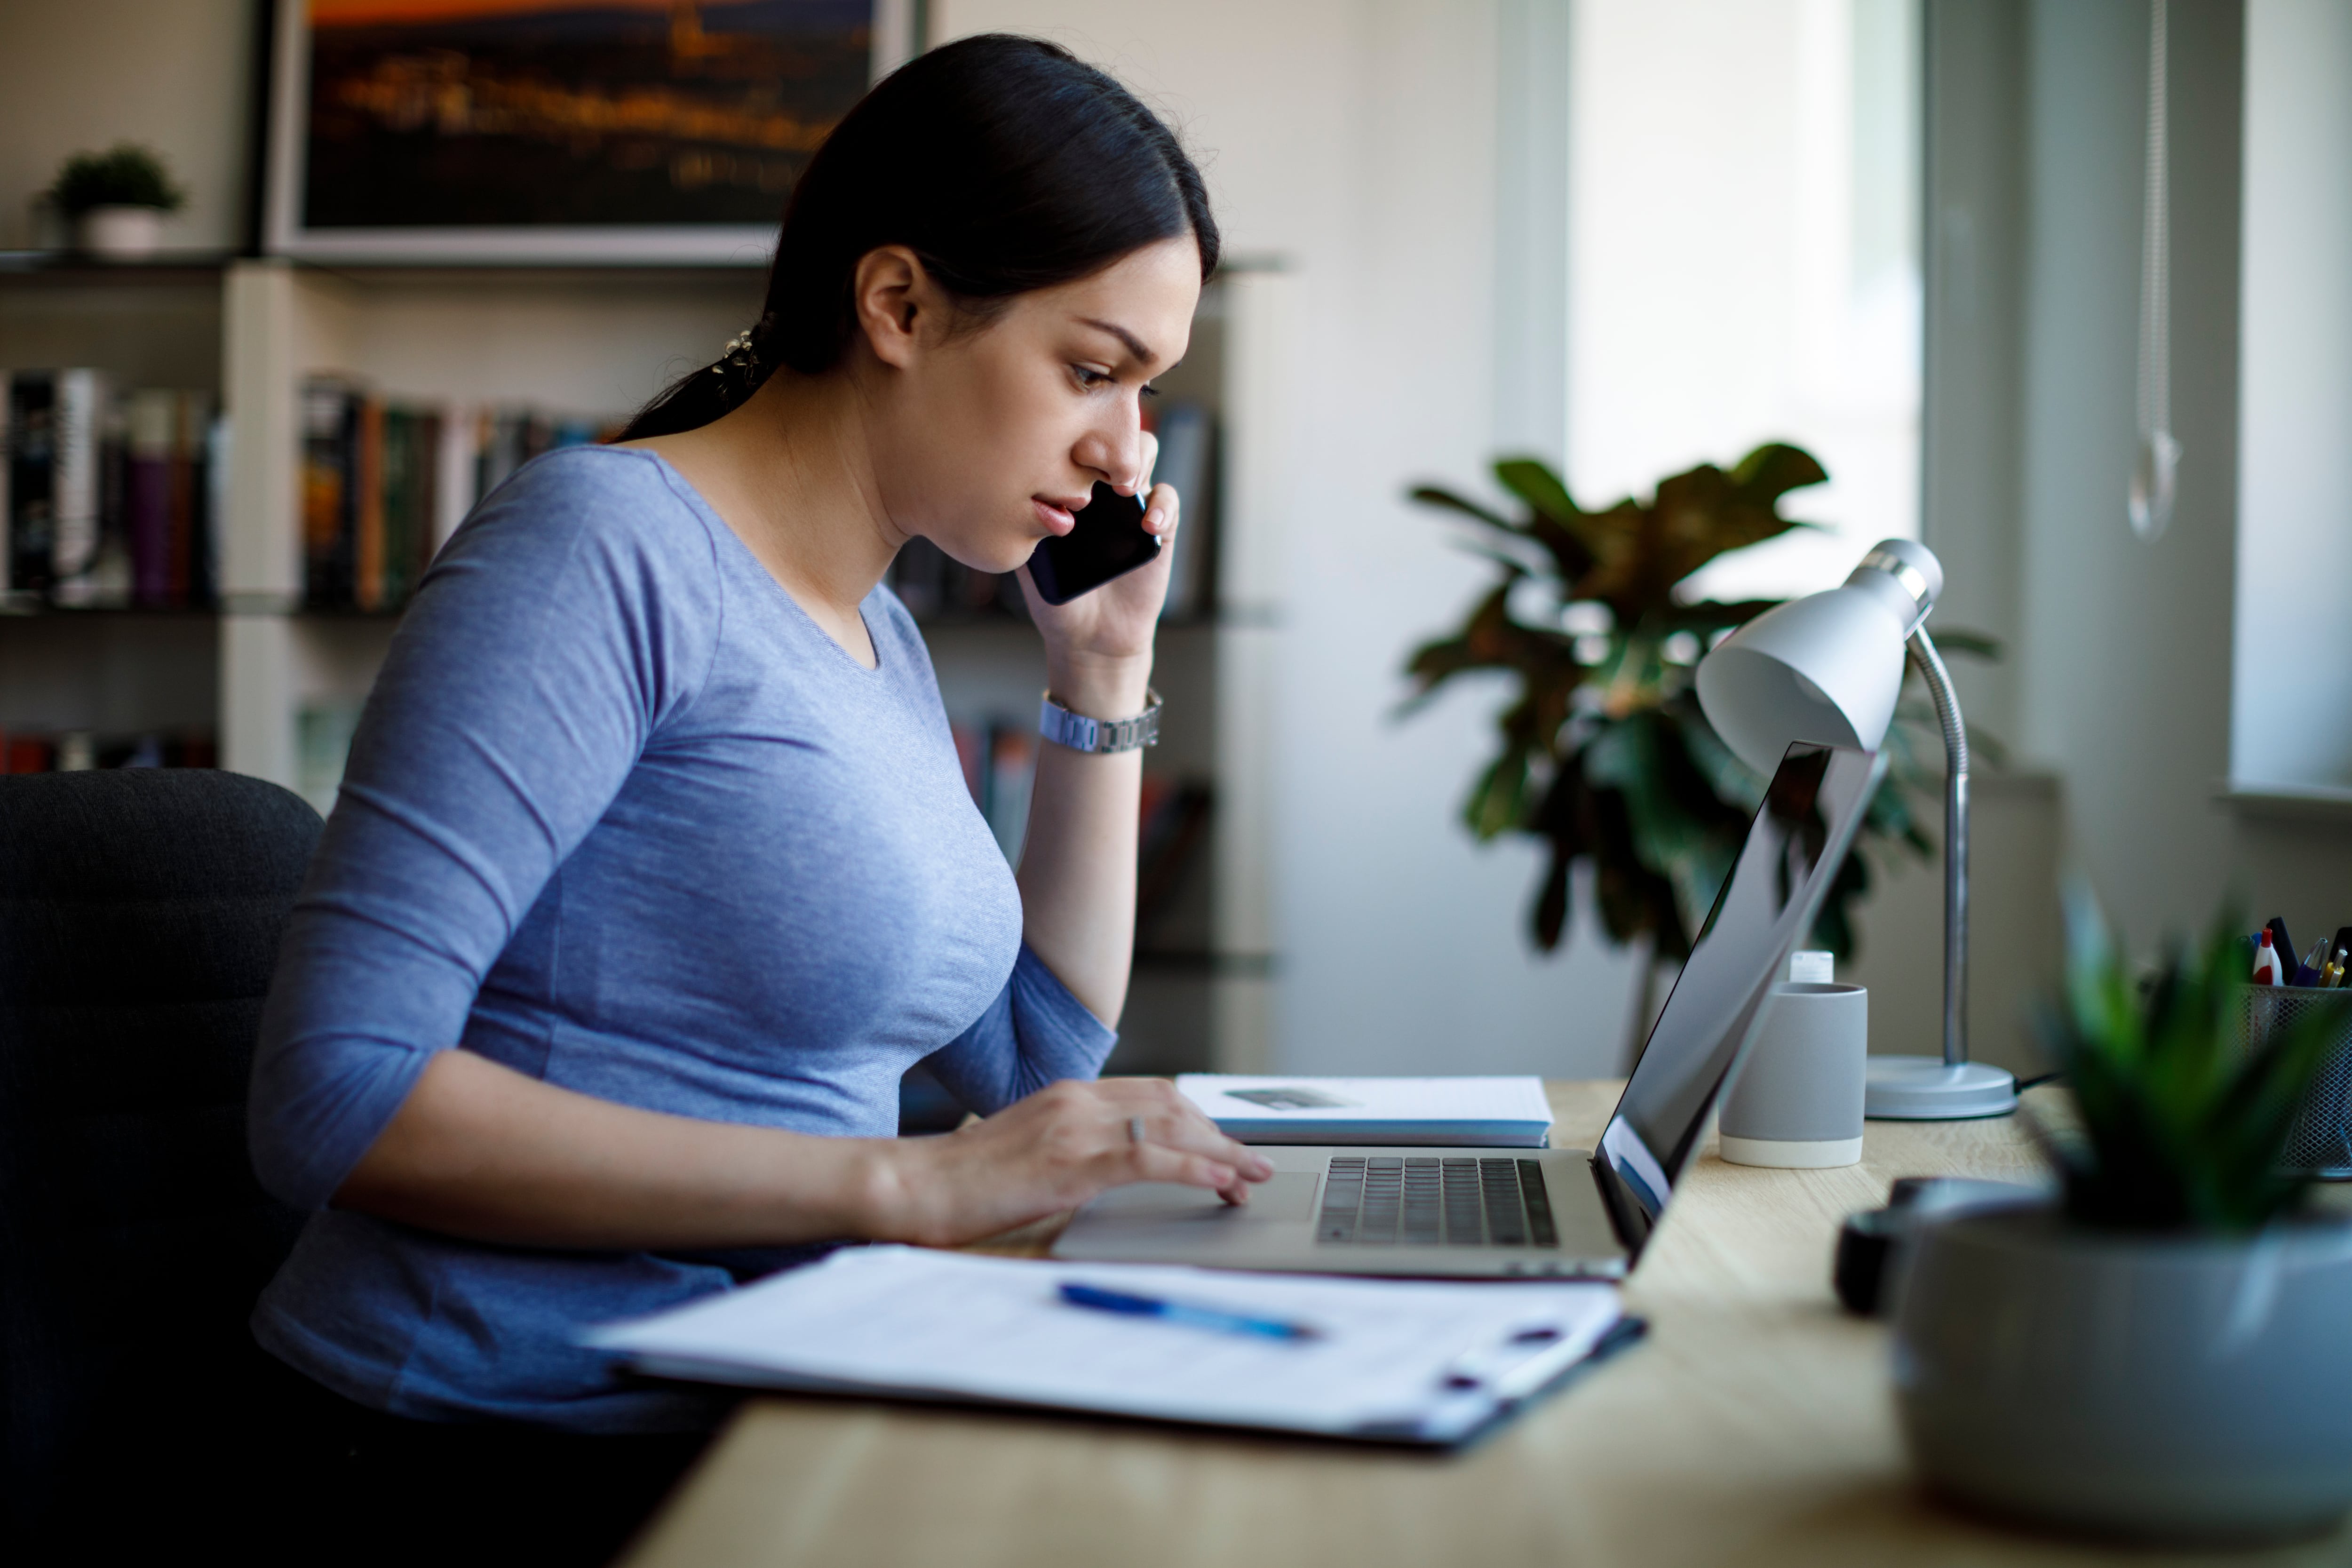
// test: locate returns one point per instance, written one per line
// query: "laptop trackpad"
(1288, 1196)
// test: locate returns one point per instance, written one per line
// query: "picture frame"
(446, 114)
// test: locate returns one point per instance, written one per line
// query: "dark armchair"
(140, 916)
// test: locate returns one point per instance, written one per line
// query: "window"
(1744, 260)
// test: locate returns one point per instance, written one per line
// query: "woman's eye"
(1151, 391)
(1091, 379)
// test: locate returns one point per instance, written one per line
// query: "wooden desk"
(1755, 1425)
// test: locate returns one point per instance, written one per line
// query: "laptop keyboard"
(1434, 1201)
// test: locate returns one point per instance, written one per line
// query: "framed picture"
(490, 131)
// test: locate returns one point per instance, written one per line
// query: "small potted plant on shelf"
(2165, 1351)
(116, 201)
(1603, 753)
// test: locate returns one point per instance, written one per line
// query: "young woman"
(654, 868)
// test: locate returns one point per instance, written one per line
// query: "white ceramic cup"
(1797, 1102)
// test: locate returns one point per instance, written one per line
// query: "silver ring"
(1135, 1129)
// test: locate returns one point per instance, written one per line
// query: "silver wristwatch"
(1063, 728)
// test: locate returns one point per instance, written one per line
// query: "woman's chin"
(1011, 556)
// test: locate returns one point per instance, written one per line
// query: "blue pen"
(1223, 1322)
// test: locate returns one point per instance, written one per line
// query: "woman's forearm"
(1077, 859)
(480, 1151)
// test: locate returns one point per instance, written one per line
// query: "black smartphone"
(1109, 540)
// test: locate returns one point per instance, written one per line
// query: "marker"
(2284, 944)
(1212, 1318)
(2267, 961)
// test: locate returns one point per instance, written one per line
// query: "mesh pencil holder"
(2320, 1141)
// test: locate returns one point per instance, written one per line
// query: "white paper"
(914, 1321)
(1372, 1108)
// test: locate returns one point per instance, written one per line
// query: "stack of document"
(1409, 1363)
(1485, 1112)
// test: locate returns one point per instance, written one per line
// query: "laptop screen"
(1794, 849)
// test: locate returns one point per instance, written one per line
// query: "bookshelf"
(112, 675)
(595, 340)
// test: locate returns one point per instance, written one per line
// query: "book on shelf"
(323, 745)
(1187, 434)
(1169, 842)
(386, 482)
(999, 758)
(108, 497)
(71, 750)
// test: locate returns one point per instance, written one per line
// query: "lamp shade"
(1826, 667)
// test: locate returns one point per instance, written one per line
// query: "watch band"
(1099, 736)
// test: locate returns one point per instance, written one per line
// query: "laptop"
(1484, 1213)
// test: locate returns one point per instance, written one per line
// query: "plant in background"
(2181, 1125)
(125, 175)
(1604, 752)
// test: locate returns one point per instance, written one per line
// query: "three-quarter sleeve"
(1034, 1034)
(551, 639)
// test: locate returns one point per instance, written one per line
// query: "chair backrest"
(140, 912)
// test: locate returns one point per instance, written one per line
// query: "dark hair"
(1006, 164)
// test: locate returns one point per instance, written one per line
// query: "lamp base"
(1922, 1089)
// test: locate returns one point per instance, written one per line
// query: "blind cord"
(2155, 460)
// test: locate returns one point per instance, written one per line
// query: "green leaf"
(1709, 615)
(1550, 916)
(1432, 495)
(1498, 800)
(1532, 481)
(1775, 468)
(1960, 639)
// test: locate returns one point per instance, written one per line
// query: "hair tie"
(738, 353)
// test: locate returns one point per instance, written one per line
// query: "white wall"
(2292, 718)
(81, 76)
(1356, 139)
(1970, 433)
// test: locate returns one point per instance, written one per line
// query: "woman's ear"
(895, 297)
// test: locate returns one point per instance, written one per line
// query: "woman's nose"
(1115, 451)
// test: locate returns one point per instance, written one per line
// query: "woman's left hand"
(1111, 627)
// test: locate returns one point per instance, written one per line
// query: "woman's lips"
(1057, 517)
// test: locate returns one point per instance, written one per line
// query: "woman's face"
(994, 437)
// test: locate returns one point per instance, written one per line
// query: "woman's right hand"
(1053, 1152)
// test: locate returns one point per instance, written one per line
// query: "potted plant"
(1604, 752)
(2161, 1351)
(116, 200)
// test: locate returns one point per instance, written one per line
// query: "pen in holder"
(2320, 1141)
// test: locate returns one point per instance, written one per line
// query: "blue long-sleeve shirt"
(620, 815)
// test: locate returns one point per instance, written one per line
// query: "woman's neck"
(792, 473)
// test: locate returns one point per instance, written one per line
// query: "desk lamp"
(1828, 667)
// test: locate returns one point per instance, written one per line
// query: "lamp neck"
(1922, 650)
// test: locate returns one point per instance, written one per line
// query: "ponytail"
(701, 396)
